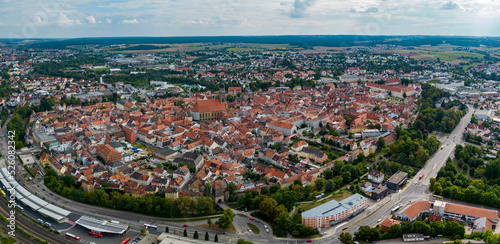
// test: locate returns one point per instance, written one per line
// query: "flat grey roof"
(483, 112)
(165, 151)
(57, 210)
(51, 214)
(5, 183)
(33, 201)
(115, 144)
(101, 225)
(397, 177)
(30, 204)
(333, 207)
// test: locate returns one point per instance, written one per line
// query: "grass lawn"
(233, 205)
(309, 205)
(196, 219)
(342, 194)
(254, 229)
(216, 228)
(101, 69)
(146, 148)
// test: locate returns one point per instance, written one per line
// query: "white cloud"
(63, 20)
(91, 19)
(130, 21)
(109, 21)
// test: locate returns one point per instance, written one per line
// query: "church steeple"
(222, 93)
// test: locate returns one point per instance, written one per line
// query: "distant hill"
(301, 41)
(141, 47)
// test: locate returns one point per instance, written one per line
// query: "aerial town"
(121, 143)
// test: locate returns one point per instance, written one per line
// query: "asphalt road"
(20, 220)
(414, 191)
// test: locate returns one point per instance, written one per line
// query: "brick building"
(130, 134)
(108, 153)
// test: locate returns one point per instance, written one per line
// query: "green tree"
(348, 120)
(207, 190)
(264, 191)
(319, 184)
(225, 221)
(166, 229)
(206, 236)
(216, 238)
(270, 208)
(185, 233)
(143, 232)
(367, 233)
(395, 231)
(195, 235)
(284, 221)
(232, 188)
(345, 238)
(329, 185)
(209, 222)
(381, 143)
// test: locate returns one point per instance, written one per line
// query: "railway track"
(34, 229)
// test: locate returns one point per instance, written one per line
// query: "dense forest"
(297, 40)
(442, 119)
(156, 205)
(484, 190)
(413, 148)
(275, 203)
(451, 229)
(141, 47)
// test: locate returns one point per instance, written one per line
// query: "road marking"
(340, 225)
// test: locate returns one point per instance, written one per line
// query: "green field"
(254, 229)
(102, 69)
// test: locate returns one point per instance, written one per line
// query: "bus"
(3, 193)
(125, 241)
(72, 236)
(421, 176)
(396, 208)
(94, 234)
(148, 226)
(437, 197)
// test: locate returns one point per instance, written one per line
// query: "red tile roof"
(208, 106)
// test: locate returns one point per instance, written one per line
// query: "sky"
(111, 18)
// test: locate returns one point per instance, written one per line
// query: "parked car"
(267, 230)
(249, 230)
(257, 220)
(378, 220)
(185, 226)
(251, 218)
(309, 241)
(265, 226)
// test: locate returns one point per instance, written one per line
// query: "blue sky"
(91, 18)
